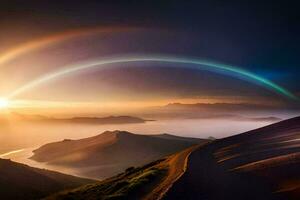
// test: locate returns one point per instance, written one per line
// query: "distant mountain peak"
(116, 132)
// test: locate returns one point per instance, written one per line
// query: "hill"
(82, 120)
(259, 164)
(148, 182)
(18, 181)
(110, 153)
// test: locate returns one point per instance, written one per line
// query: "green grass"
(131, 184)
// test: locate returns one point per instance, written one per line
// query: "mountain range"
(81, 120)
(259, 164)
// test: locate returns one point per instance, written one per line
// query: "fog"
(19, 139)
(21, 135)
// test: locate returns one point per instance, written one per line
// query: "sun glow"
(4, 103)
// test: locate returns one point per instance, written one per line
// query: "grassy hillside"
(111, 153)
(128, 185)
(18, 181)
(148, 182)
(259, 164)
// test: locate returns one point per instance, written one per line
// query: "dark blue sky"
(260, 36)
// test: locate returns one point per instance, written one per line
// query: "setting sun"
(3, 103)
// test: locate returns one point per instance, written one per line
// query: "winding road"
(205, 179)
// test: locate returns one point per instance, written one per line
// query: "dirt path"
(177, 165)
(206, 179)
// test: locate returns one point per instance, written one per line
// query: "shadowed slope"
(259, 164)
(18, 181)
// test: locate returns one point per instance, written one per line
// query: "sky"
(40, 39)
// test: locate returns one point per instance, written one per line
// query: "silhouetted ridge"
(274, 130)
(21, 182)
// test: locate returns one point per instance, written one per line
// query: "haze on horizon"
(260, 86)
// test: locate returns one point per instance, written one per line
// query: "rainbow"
(36, 44)
(185, 62)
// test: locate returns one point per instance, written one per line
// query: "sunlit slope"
(110, 153)
(18, 181)
(259, 164)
